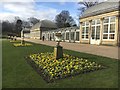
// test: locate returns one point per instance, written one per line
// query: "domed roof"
(48, 23)
(100, 8)
(44, 24)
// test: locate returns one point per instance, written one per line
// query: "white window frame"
(109, 23)
(85, 26)
(66, 35)
(63, 35)
(95, 25)
(53, 36)
(71, 35)
(76, 36)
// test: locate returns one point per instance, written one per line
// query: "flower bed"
(51, 69)
(15, 41)
(21, 45)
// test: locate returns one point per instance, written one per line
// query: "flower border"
(40, 71)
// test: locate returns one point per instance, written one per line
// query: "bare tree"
(89, 3)
(86, 4)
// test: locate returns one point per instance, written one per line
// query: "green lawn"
(18, 74)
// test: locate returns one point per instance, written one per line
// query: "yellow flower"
(19, 44)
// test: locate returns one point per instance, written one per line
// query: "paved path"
(107, 51)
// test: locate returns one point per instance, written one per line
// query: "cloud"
(55, 0)
(18, 7)
(17, 1)
(7, 16)
(25, 10)
(41, 0)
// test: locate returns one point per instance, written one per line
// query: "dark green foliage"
(64, 19)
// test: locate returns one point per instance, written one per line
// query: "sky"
(41, 9)
(35, 8)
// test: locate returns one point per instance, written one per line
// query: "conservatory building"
(99, 24)
(40, 27)
(48, 29)
(69, 34)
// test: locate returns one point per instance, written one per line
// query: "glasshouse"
(70, 34)
(44, 25)
(48, 29)
(98, 25)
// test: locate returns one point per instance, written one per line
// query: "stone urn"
(58, 50)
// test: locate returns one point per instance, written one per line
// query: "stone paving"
(107, 51)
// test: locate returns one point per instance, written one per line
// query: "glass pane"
(82, 36)
(98, 32)
(53, 35)
(98, 21)
(48, 36)
(112, 28)
(98, 28)
(112, 19)
(72, 35)
(106, 28)
(111, 36)
(87, 28)
(97, 36)
(87, 23)
(83, 30)
(105, 36)
(63, 35)
(93, 32)
(106, 20)
(77, 36)
(93, 22)
(86, 36)
(67, 36)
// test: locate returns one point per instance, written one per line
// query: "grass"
(18, 74)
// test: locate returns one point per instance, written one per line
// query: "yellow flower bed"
(13, 41)
(22, 45)
(52, 69)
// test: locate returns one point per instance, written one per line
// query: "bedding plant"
(22, 45)
(15, 41)
(51, 69)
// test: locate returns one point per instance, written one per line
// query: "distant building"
(44, 25)
(99, 24)
(69, 34)
(48, 29)
(26, 32)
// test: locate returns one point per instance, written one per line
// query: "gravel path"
(107, 51)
